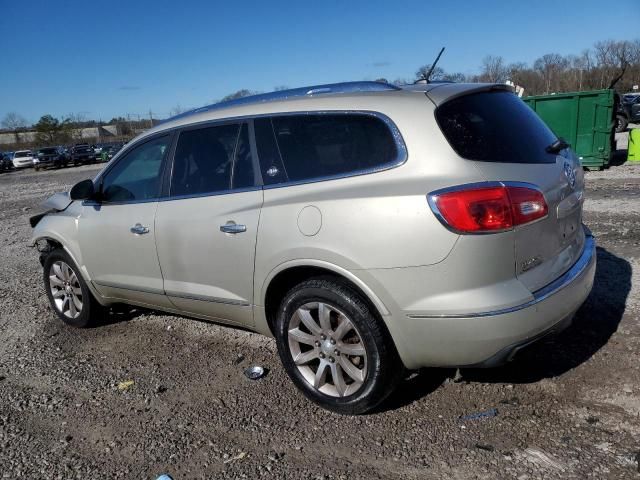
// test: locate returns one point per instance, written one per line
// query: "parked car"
(628, 111)
(6, 161)
(81, 154)
(50, 157)
(370, 229)
(23, 159)
(105, 151)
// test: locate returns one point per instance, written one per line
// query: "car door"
(206, 230)
(117, 232)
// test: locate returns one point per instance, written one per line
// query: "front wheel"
(68, 293)
(336, 351)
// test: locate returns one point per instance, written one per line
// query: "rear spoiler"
(444, 92)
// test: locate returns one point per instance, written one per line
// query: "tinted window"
(242, 176)
(204, 160)
(137, 175)
(314, 146)
(495, 127)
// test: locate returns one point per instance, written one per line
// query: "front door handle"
(233, 228)
(139, 229)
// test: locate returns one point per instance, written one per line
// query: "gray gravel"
(568, 407)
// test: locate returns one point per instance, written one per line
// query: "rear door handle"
(139, 229)
(233, 228)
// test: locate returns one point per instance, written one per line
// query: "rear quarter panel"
(373, 221)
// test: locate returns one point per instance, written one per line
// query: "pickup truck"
(50, 157)
(628, 111)
(82, 154)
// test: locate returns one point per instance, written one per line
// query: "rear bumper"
(493, 337)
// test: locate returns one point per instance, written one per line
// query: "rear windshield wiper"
(557, 146)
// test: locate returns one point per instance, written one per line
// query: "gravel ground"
(567, 407)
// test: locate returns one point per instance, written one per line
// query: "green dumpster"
(586, 120)
(633, 154)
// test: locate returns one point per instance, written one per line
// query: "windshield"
(23, 154)
(48, 151)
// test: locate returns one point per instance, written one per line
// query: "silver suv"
(370, 229)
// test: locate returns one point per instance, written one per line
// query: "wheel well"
(287, 279)
(45, 246)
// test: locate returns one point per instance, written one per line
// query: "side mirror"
(84, 190)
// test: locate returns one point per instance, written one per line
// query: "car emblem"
(570, 174)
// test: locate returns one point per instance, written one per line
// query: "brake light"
(488, 209)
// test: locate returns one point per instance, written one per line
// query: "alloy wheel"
(65, 289)
(327, 349)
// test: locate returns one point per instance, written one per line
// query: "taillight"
(486, 209)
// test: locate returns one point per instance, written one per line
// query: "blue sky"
(104, 59)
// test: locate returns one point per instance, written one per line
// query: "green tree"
(49, 130)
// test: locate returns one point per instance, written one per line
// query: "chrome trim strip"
(210, 194)
(540, 295)
(433, 196)
(401, 159)
(205, 298)
(135, 289)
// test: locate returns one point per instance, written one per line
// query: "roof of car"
(323, 96)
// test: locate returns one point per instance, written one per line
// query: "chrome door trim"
(127, 287)
(206, 298)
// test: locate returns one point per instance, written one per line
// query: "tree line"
(608, 64)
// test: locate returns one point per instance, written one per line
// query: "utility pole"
(150, 118)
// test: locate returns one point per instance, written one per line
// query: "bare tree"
(494, 70)
(551, 66)
(73, 124)
(238, 94)
(14, 122)
(437, 74)
(177, 110)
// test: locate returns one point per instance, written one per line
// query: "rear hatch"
(507, 142)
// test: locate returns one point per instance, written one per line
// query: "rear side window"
(495, 127)
(311, 146)
(203, 161)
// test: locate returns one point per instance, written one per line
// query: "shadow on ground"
(619, 157)
(593, 325)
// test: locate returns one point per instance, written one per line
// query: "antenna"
(433, 65)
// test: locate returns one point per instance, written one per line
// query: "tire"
(621, 123)
(365, 377)
(76, 305)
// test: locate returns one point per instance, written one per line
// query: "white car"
(23, 159)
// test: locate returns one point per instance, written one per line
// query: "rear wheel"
(334, 348)
(68, 293)
(621, 123)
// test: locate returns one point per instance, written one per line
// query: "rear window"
(22, 154)
(48, 151)
(306, 147)
(495, 127)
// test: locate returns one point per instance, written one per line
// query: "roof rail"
(344, 87)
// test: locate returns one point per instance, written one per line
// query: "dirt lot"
(568, 407)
